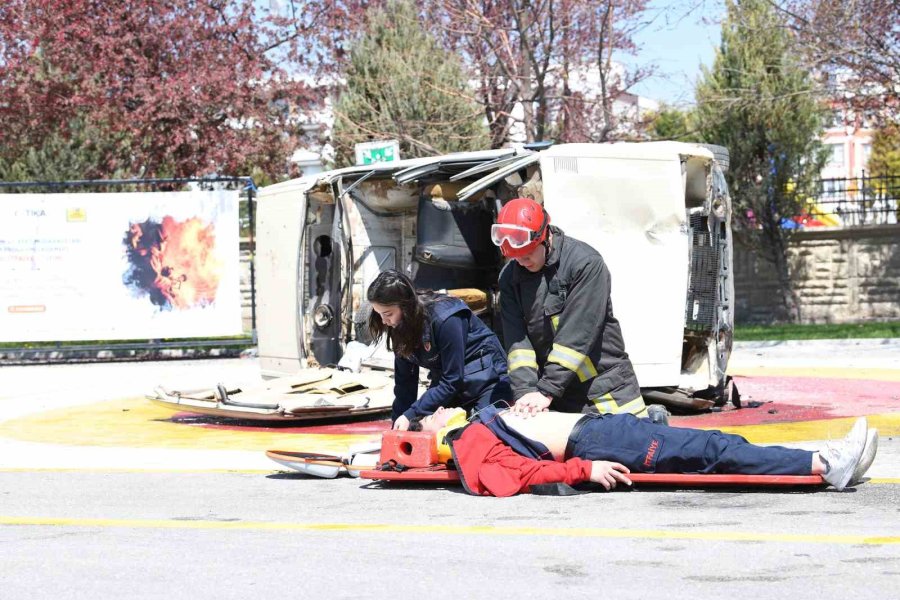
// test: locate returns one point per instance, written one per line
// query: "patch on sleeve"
(648, 463)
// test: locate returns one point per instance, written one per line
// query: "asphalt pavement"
(103, 494)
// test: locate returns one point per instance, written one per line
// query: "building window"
(833, 187)
(837, 156)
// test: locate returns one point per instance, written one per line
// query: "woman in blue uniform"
(440, 333)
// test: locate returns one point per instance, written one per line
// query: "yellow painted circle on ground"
(138, 423)
(818, 372)
(803, 431)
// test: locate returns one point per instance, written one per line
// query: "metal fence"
(858, 201)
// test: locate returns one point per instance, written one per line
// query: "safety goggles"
(515, 235)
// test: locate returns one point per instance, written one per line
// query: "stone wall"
(841, 276)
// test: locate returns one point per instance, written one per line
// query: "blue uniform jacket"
(464, 358)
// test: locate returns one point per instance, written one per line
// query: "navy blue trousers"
(646, 447)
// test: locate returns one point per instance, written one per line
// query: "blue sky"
(682, 36)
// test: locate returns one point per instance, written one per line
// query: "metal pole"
(250, 189)
(89, 182)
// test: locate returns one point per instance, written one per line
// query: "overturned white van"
(658, 212)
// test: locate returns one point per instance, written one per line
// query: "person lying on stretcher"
(503, 453)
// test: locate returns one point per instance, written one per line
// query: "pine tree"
(884, 163)
(75, 151)
(400, 84)
(885, 158)
(759, 102)
(670, 123)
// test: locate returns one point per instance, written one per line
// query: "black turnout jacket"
(561, 336)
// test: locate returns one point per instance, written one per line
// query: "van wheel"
(723, 157)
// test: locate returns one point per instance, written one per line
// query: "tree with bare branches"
(545, 69)
(855, 46)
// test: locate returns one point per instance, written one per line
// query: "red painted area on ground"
(330, 428)
(800, 399)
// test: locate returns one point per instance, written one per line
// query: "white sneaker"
(868, 455)
(843, 456)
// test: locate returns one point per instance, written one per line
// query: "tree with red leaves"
(162, 88)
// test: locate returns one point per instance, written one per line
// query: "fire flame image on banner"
(172, 262)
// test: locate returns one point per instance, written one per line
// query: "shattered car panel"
(309, 394)
(659, 213)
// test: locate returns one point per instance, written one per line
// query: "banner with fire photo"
(114, 266)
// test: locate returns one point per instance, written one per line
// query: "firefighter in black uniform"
(564, 346)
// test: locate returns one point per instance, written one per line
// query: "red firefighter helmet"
(521, 226)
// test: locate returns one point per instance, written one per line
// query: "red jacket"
(489, 467)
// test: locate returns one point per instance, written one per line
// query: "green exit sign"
(373, 152)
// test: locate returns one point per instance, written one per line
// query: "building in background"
(849, 195)
(849, 141)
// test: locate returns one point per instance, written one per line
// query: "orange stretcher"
(440, 473)
(414, 458)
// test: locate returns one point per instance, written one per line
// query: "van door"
(280, 222)
(324, 260)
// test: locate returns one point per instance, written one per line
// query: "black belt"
(576, 431)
